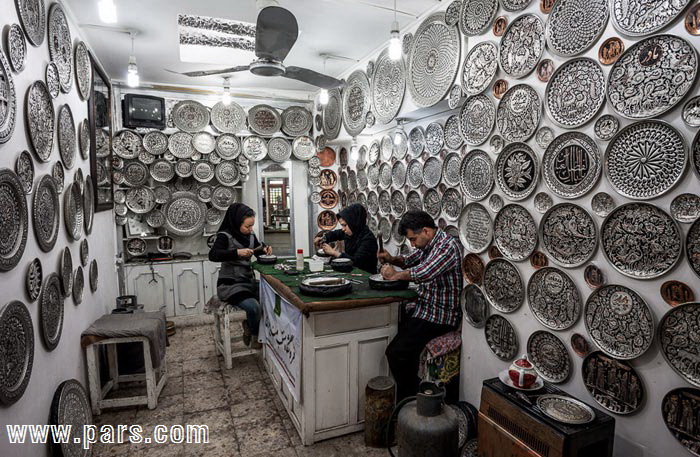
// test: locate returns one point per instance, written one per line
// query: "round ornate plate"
(515, 232)
(356, 103)
(180, 145)
(549, 356)
(84, 139)
(372, 203)
(517, 171)
(677, 340)
(204, 193)
(474, 305)
(70, 408)
(14, 221)
(432, 203)
(328, 199)
(414, 173)
(434, 138)
(73, 211)
(61, 45)
(432, 172)
(543, 202)
(619, 321)
(645, 159)
(406, 44)
(185, 215)
(328, 179)
(203, 142)
(503, 285)
(135, 174)
(33, 279)
(59, 175)
(203, 171)
(78, 286)
(93, 275)
(612, 383)
(476, 16)
(88, 205)
(515, 5)
(544, 137)
(667, 63)
(398, 175)
(685, 208)
(279, 149)
(606, 127)
(17, 341)
(162, 170)
(414, 202)
(385, 176)
(24, 167)
(135, 246)
(384, 203)
(398, 203)
(553, 298)
(332, 115)
(691, 112)
(84, 252)
(40, 117)
(400, 145)
(264, 120)
(495, 203)
(580, 345)
(452, 17)
(162, 194)
(51, 311)
(303, 148)
(454, 97)
(416, 141)
(575, 93)
(327, 220)
(386, 148)
(228, 118)
(475, 228)
(677, 409)
(126, 143)
(190, 116)
(255, 148)
(571, 165)
(573, 26)
(16, 47)
(388, 87)
(67, 144)
(638, 17)
(227, 173)
(522, 45)
(501, 337)
(140, 200)
(602, 204)
(565, 409)
(53, 83)
(453, 137)
(519, 113)
(451, 169)
(476, 175)
(32, 16)
(223, 197)
(45, 213)
(385, 229)
(361, 162)
(227, 146)
(692, 247)
(373, 153)
(296, 121)
(434, 61)
(83, 70)
(452, 204)
(476, 119)
(481, 64)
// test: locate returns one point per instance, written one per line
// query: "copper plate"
(494, 252)
(328, 179)
(327, 157)
(692, 20)
(473, 268)
(580, 345)
(546, 6)
(545, 68)
(500, 25)
(538, 260)
(594, 277)
(610, 50)
(327, 220)
(676, 293)
(500, 87)
(329, 199)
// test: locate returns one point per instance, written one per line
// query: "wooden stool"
(223, 317)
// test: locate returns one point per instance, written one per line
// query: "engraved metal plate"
(575, 93)
(685, 208)
(414, 202)
(515, 232)
(24, 167)
(84, 139)
(571, 165)
(406, 43)
(476, 119)
(414, 173)
(475, 307)
(303, 148)
(476, 175)
(385, 176)
(454, 97)
(279, 149)
(480, 66)
(475, 228)
(432, 203)
(255, 148)
(203, 142)
(602, 204)
(228, 118)
(476, 16)
(692, 247)
(678, 343)
(190, 116)
(495, 203)
(73, 211)
(180, 145)
(501, 337)
(398, 175)
(14, 222)
(78, 285)
(667, 63)
(84, 252)
(140, 200)
(522, 45)
(93, 275)
(553, 298)
(451, 169)
(678, 408)
(453, 137)
(61, 45)
(619, 321)
(264, 120)
(452, 204)
(416, 141)
(67, 144)
(16, 48)
(328, 179)
(503, 286)
(296, 120)
(386, 148)
(32, 15)
(356, 103)
(155, 142)
(135, 174)
(17, 347)
(434, 61)
(332, 115)
(162, 170)
(83, 70)
(515, 5)
(400, 145)
(227, 173)
(606, 127)
(59, 176)
(127, 143)
(434, 138)
(33, 279)
(385, 229)
(452, 14)
(223, 197)
(691, 112)
(51, 311)
(88, 205)
(432, 172)
(45, 213)
(53, 83)
(185, 214)
(565, 409)
(70, 408)
(227, 146)
(40, 117)
(544, 137)
(549, 356)
(519, 113)
(639, 17)
(573, 26)
(497, 143)
(517, 171)
(612, 383)
(384, 203)
(543, 202)
(388, 87)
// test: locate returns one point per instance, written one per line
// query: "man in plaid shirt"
(436, 267)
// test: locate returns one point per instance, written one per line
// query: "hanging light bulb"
(394, 41)
(399, 134)
(226, 97)
(354, 154)
(323, 97)
(132, 72)
(107, 11)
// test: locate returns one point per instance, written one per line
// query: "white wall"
(67, 360)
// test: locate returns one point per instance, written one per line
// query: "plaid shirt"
(437, 271)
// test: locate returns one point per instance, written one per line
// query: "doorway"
(275, 206)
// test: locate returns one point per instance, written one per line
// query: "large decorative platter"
(70, 408)
(40, 117)
(678, 406)
(14, 221)
(24, 167)
(414, 173)
(227, 173)
(303, 148)
(190, 116)
(451, 169)
(517, 171)
(185, 214)
(51, 311)
(632, 248)
(140, 200)
(434, 61)
(264, 120)
(73, 211)
(88, 205)
(16, 48)
(614, 384)
(17, 342)
(83, 70)
(522, 45)
(61, 45)
(503, 285)
(664, 69)
(476, 175)
(356, 103)
(619, 321)
(255, 148)
(575, 93)
(692, 247)
(476, 16)
(432, 203)
(296, 121)
(452, 203)
(645, 159)
(67, 144)
(432, 172)
(453, 137)
(228, 118)
(475, 228)
(476, 119)
(180, 145)
(639, 17)
(573, 26)
(519, 113)
(416, 141)
(569, 235)
(571, 165)
(46, 213)
(480, 65)
(228, 146)
(565, 409)
(388, 87)
(279, 149)
(553, 298)
(515, 232)
(501, 337)
(333, 115)
(32, 15)
(474, 305)
(549, 356)
(678, 342)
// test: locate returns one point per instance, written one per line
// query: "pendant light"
(132, 73)
(323, 95)
(226, 96)
(394, 41)
(354, 154)
(399, 133)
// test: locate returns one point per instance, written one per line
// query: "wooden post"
(379, 404)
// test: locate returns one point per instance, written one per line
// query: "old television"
(143, 111)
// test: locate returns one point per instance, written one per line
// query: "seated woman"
(360, 242)
(235, 244)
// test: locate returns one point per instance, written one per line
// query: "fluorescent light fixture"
(107, 11)
(323, 97)
(132, 73)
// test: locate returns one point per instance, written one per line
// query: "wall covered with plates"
(559, 139)
(49, 246)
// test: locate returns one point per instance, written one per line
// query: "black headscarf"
(235, 214)
(355, 216)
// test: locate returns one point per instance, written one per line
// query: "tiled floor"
(244, 415)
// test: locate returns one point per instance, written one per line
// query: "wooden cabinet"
(211, 275)
(188, 279)
(153, 285)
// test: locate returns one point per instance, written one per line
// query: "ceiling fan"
(276, 32)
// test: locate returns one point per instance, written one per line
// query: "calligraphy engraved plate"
(606, 127)
(553, 298)
(565, 409)
(14, 221)
(32, 16)
(190, 116)
(522, 45)
(255, 148)
(83, 70)
(40, 117)
(475, 228)
(414, 202)
(61, 45)
(16, 48)
(480, 66)
(162, 170)
(434, 61)
(228, 118)
(515, 5)
(619, 321)
(575, 93)
(432, 172)
(685, 208)
(501, 337)
(503, 285)
(692, 247)
(571, 165)
(519, 113)
(549, 356)
(53, 83)
(517, 171)
(451, 169)
(515, 232)
(185, 214)
(476, 175)
(569, 235)
(678, 409)
(475, 307)
(388, 87)
(573, 26)
(452, 203)
(432, 203)
(51, 311)
(356, 103)
(398, 175)
(296, 120)
(645, 159)
(416, 141)
(434, 138)
(333, 115)
(476, 16)
(17, 346)
(476, 119)
(667, 63)
(543, 202)
(612, 383)
(639, 17)
(67, 144)
(303, 147)
(453, 137)
(495, 203)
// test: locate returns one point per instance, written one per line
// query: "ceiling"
(349, 28)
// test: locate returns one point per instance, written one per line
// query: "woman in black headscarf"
(235, 244)
(360, 242)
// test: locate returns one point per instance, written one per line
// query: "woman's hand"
(245, 253)
(267, 250)
(317, 241)
(329, 250)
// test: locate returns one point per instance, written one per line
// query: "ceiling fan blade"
(312, 77)
(276, 32)
(194, 74)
